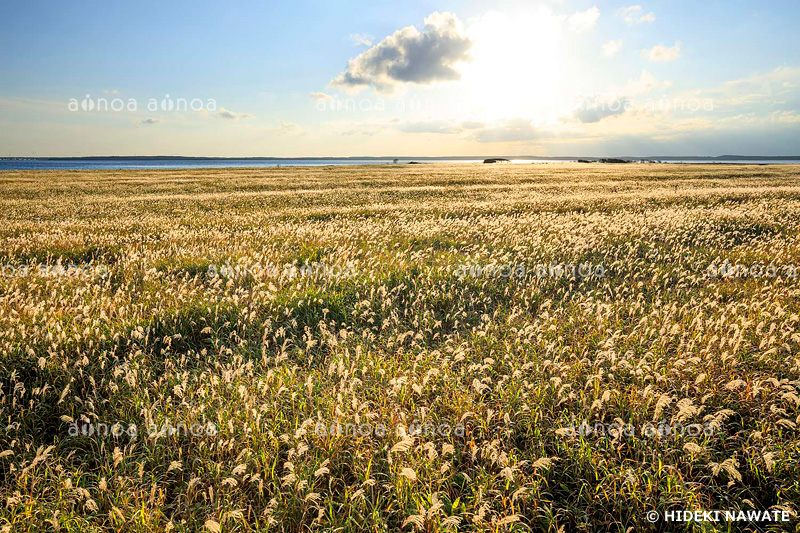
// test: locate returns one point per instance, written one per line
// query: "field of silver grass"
(429, 348)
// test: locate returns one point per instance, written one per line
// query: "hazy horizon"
(469, 157)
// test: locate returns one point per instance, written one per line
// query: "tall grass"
(481, 381)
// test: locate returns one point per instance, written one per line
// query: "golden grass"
(495, 372)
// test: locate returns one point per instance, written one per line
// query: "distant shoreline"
(404, 158)
(107, 164)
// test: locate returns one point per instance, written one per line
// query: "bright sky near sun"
(422, 78)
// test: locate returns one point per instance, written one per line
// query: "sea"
(112, 163)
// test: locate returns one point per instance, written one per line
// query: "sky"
(411, 78)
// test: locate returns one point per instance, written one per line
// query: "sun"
(516, 67)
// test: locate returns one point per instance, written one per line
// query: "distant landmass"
(418, 158)
(185, 162)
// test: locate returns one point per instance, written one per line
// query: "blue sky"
(548, 78)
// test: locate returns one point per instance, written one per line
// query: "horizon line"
(391, 157)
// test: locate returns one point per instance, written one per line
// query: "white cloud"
(649, 17)
(612, 47)
(511, 131)
(111, 91)
(788, 117)
(661, 53)
(410, 56)
(226, 113)
(319, 96)
(777, 88)
(584, 21)
(643, 85)
(634, 15)
(361, 39)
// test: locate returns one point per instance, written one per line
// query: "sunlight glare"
(516, 67)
